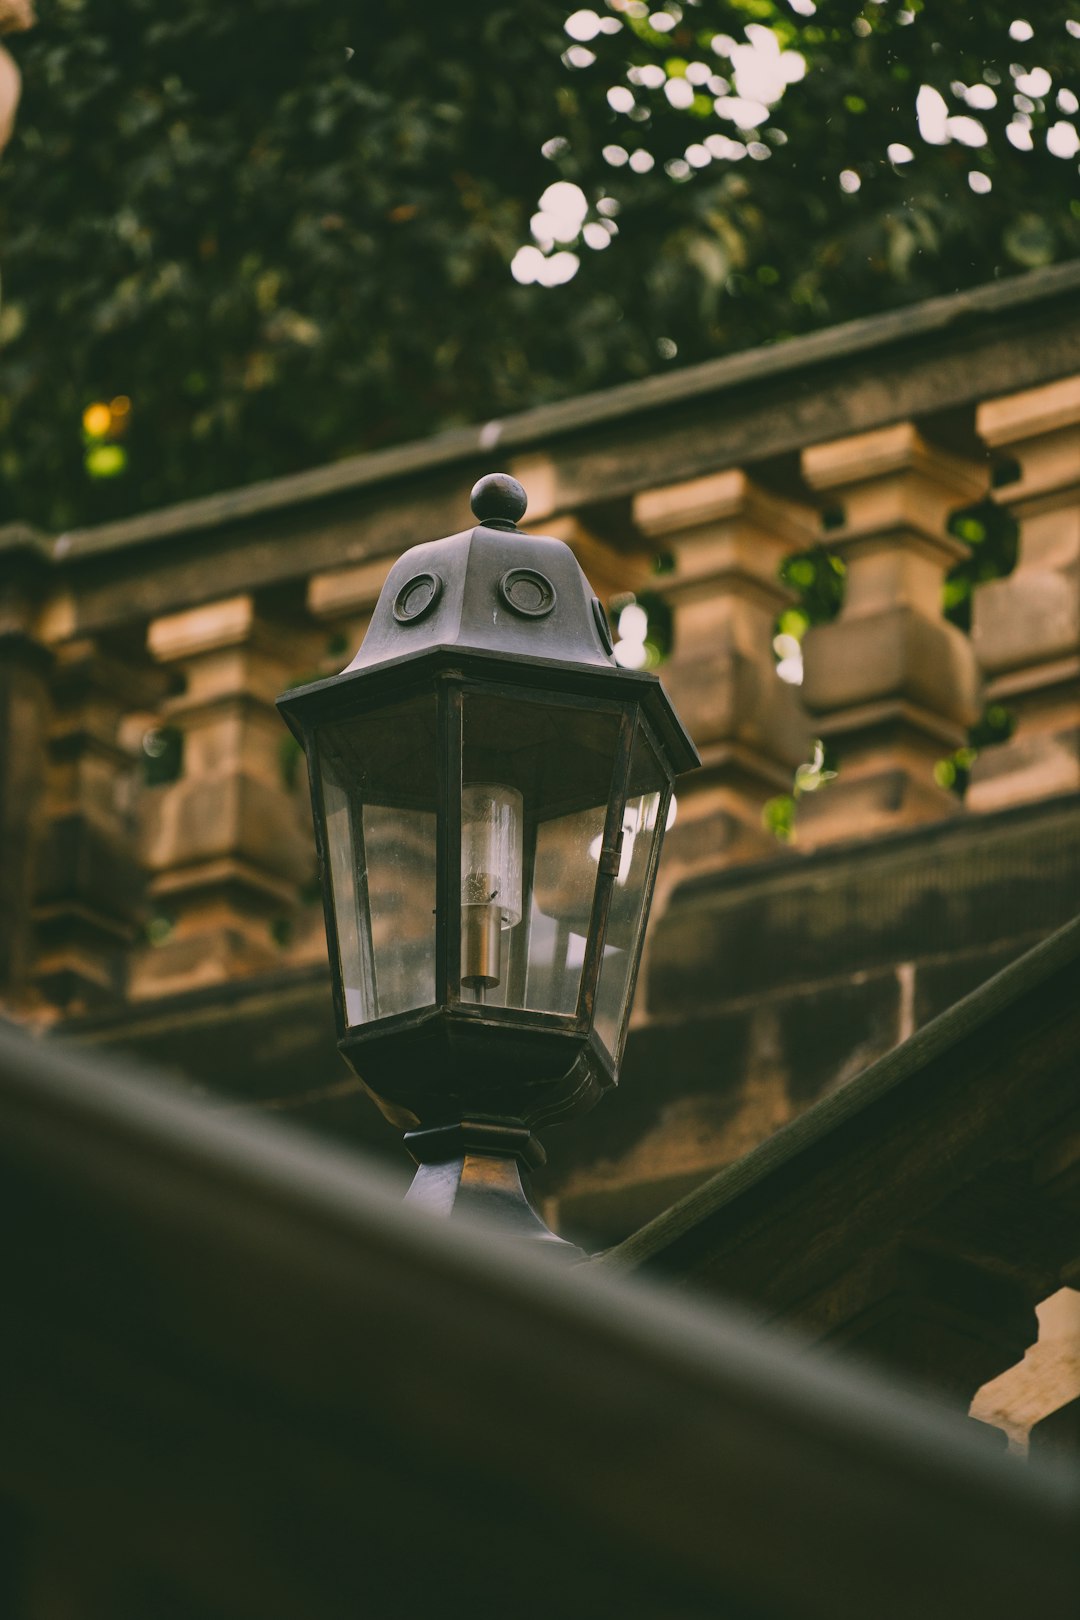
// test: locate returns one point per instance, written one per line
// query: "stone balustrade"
(90, 894)
(188, 623)
(223, 845)
(892, 686)
(725, 538)
(1026, 627)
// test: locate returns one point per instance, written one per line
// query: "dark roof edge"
(946, 1031)
(545, 422)
(107, 1121)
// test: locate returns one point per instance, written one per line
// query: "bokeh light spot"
(97, 420)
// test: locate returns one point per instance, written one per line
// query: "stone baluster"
(24, 725)
(89, 901)
(894, 687)
(225, 844)
(1026, 627)
(727, 538)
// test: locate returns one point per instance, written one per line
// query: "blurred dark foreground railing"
(240, 1379)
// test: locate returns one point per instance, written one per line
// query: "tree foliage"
(261, 236)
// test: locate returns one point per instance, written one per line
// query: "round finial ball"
(498, 497)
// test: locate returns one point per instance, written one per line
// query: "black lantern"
(490, 792)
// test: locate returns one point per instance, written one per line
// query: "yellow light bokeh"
(97, 420)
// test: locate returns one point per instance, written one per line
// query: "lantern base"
(480, 1167)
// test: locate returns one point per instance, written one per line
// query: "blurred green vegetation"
(993, 535)
(995, 725)
(238, 240)
(817, 578)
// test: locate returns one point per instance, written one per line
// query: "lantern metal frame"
(434, 1069)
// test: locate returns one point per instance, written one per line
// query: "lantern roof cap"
(490, 589)
(493, 599)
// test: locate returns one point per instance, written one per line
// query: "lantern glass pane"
(379, 794)
(564, 878)
(644, 815)
(536, 781)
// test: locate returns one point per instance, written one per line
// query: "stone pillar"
(89, 900)
(727, 537)
(224, 843)
(1026, 627)
(24, 726)
(894, 687)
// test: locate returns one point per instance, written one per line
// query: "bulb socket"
(481, 946)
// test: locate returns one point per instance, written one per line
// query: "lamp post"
(490, 793)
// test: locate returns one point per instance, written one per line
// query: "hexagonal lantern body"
(490, 792)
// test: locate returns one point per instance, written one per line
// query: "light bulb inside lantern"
(491, 821)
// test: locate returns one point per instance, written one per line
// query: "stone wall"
(158, 882)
